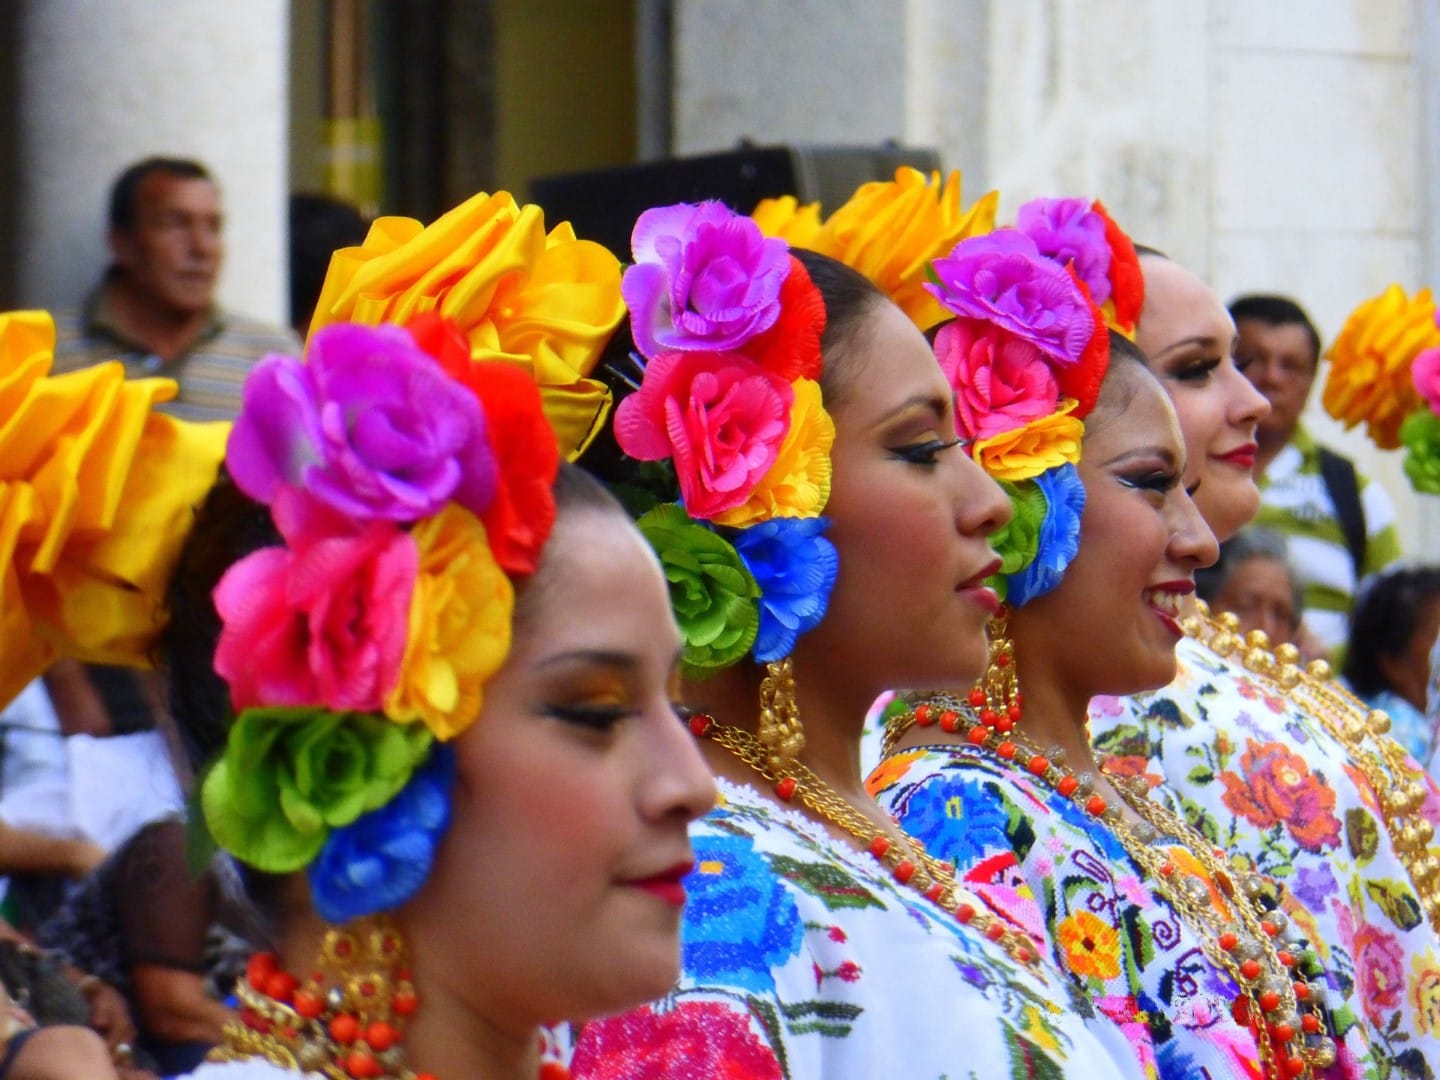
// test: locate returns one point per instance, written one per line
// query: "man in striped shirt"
(155, 307)
(1339, 524)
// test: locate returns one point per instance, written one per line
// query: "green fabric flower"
(289, 776)
(1420, 435)
(1017, 542)
(713, 595)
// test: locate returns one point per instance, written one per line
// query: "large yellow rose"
(546, 302)
(1370, 362)
(97, 495)
(785, 219)
(798, 484)
(1025, 452)
(891, 230)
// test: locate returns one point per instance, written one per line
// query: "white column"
(103, 83)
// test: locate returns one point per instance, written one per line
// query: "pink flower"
(1425, 372)
(1001, 381)
(714, 1039)
(321, 621)
(705, 278)
(1002, 278)
(720, 416)
(1070, 232)
(1379, 967)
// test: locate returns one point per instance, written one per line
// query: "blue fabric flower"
(381, 859)
(795, 568)
(1059, 535)
(740, 921)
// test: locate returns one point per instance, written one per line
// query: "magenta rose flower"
(715, 1039)
(1071, 233)
(720, 416)
(321, 621)
(370, 425)
(1425, 373)
(1001, 277)
(705, 278)
(1001, 381)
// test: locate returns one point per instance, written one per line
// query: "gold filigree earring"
(779, 730)
(996, 696)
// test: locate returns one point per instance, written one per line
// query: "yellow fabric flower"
(1370, 362)
(97, 495)
(890, 231)
(1091, 945)
(548, 303)
(1028, 451)
(459, 625)
(785, 219)
(798, 484)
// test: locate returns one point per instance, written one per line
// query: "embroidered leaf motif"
(1200, 819)
(769, 1019)
(829, 1018)
(835, 888)
(1362, 835)
(1028, 1061)
(1201, 775)
(1165, 711)
(1123, 740)
(1395, 900)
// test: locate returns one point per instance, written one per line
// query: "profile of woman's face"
(1141, 540)
(557, 891)
(910, 516)
(1189, 339)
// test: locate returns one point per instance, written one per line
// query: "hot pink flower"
(1425, 372)
(1379, 967)
(1001, 381)
(321, 621)
(714, 1039)
(720, 416)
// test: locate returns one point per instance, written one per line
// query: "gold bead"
(1257, 639)
(1354, 729)
(1319, 670)
(1191, 625)
(1229, 620)
(1288, 676)
(1287, 653)
(1379, 721)
(1323, 1054)
(1224, 643)
(1257, 659)
(1424, 830)
(1202, 607)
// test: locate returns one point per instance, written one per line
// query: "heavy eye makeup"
(598, 693)
(924, 453)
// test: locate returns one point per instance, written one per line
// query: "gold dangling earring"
(779, 730)
(996, 697)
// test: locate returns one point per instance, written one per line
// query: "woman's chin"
(1227, 505)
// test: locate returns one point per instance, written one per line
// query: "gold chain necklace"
(1278, 1005)
(904, 857)
(1362, 733)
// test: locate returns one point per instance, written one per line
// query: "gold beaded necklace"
(1238, 935)
(1361, 732)
(903, 856)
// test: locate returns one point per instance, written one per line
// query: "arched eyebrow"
(936, 404)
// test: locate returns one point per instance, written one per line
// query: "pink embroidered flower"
(369, 425)
(713, 1039)
(1001, 277)
(1425, 373)
(720, 416)
(1001, 381)
(1071, 233)
(1379, 967)
(705, 278)
(321, 621)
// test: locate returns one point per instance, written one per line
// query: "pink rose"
(1001, 381)
(720, 416)
(1379, 968)
(1425, 372)
(321, 621)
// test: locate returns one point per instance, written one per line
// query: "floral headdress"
(408, 470)
(1026, 353)
(1385, 371)
(729, 326)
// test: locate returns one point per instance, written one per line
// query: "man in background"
(1338, 524)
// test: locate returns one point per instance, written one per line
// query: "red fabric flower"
(1082, 380)
(695, 1038)
(791, 347)
(519, 519)
(1127, 283)
(1277, 787)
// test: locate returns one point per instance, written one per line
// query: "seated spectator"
(1387, 664)
(1255, 581)
(320, 225)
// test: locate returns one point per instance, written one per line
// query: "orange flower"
(890, 231)
(1028, 451)
(891, 769)
(785, 219)
(1370, 362)
(97, 493)
(1091, 945)
(547, 303)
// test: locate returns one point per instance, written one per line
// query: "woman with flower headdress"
(790, 445)
(1139, 909)
(1274, 761)
(396, 611)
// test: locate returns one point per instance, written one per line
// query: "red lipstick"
(668, 885)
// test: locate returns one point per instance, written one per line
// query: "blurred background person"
(1254, 579)
(320, 225)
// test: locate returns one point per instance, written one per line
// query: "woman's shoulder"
(243, 1070)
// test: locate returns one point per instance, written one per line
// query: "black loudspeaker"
(603, 204)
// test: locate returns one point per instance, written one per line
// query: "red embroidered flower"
(1132, 765)
(695, 1038)
(1379, 967)
(1277, 787)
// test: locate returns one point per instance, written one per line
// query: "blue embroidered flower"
(740, 921)
(1059, 535)
(955, 816)
(381, 859)
(795, 568)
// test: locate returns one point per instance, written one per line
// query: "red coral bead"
(1227, 940)
(978, 734)
(1250, 969)
(1302, 991)
(1269, 927)
(995, 931)
(362, 1065)
(1269, 1001)
(1006, 750)
(977, 698)
(785, 788)
(1038, 764)
(904, 871)
(1095, 806)
(988, 717)
(1295, 1065)
(935, 892)
(1285, 958)
(1004, 724)
(1310, 1024)
(1002, 660)
(309, 1005)
(1283, 1032)
(1068, 786)
(949, 721)
(381, 1036)
(700, 724)
(879, 846)
(405, 1003)
(259, 967)
(345, 1029)
(965, 912)
(281, 985)
(923, 716)
(1013, 711)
